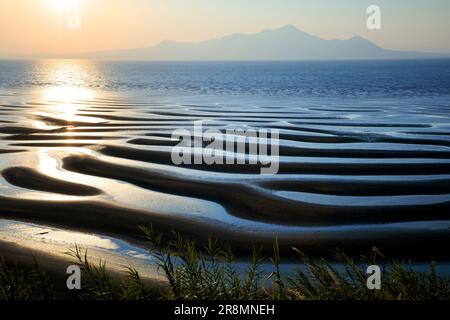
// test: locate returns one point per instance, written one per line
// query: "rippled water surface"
(365, 155)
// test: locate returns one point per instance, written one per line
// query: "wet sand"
(351, 176)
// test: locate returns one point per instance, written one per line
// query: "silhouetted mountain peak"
(285, 43)
(289, 27)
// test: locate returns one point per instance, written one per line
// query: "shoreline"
(427, 247)
(26, 238)
(352, 175)
(21, 242)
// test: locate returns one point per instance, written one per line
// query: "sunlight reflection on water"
(67, 95)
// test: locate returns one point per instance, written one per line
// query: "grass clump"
(99, 284)
(348, 281)
(196, 272)
(20, 283)
(209, 271)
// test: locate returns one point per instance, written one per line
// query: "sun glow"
(71, 10)
(62, 6)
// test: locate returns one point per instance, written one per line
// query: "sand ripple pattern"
(351, 174)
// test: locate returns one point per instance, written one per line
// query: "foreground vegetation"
(209, 271)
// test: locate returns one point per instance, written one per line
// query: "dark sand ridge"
(31, 179)
(54, 121)
(11, 107)
(351, 124)
(158, 141)
(294, 167)
(240, 115)
(320, 128)
(103, 122)
(111, 129)
(118, 106)
(170, 116)
(249, 201)
(234, 108)
(319, 139)
(119, 222)
(346, 137)
(369, 138)
(10, 151)
(94, 111)
(434, 133)
(28, 131)
(54, 144)
(367, 110)
(283, 135)
(362, 188)
(36, 137)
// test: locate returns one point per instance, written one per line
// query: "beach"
(356, 170)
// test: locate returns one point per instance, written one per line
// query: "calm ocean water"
(373, 79)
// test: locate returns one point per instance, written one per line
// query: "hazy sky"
(39, 26)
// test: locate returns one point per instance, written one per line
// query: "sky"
(29, 27)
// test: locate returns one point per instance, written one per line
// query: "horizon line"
(218, 60)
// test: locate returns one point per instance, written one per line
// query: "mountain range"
(286, 43)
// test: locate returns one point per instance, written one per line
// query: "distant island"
(286, 43)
